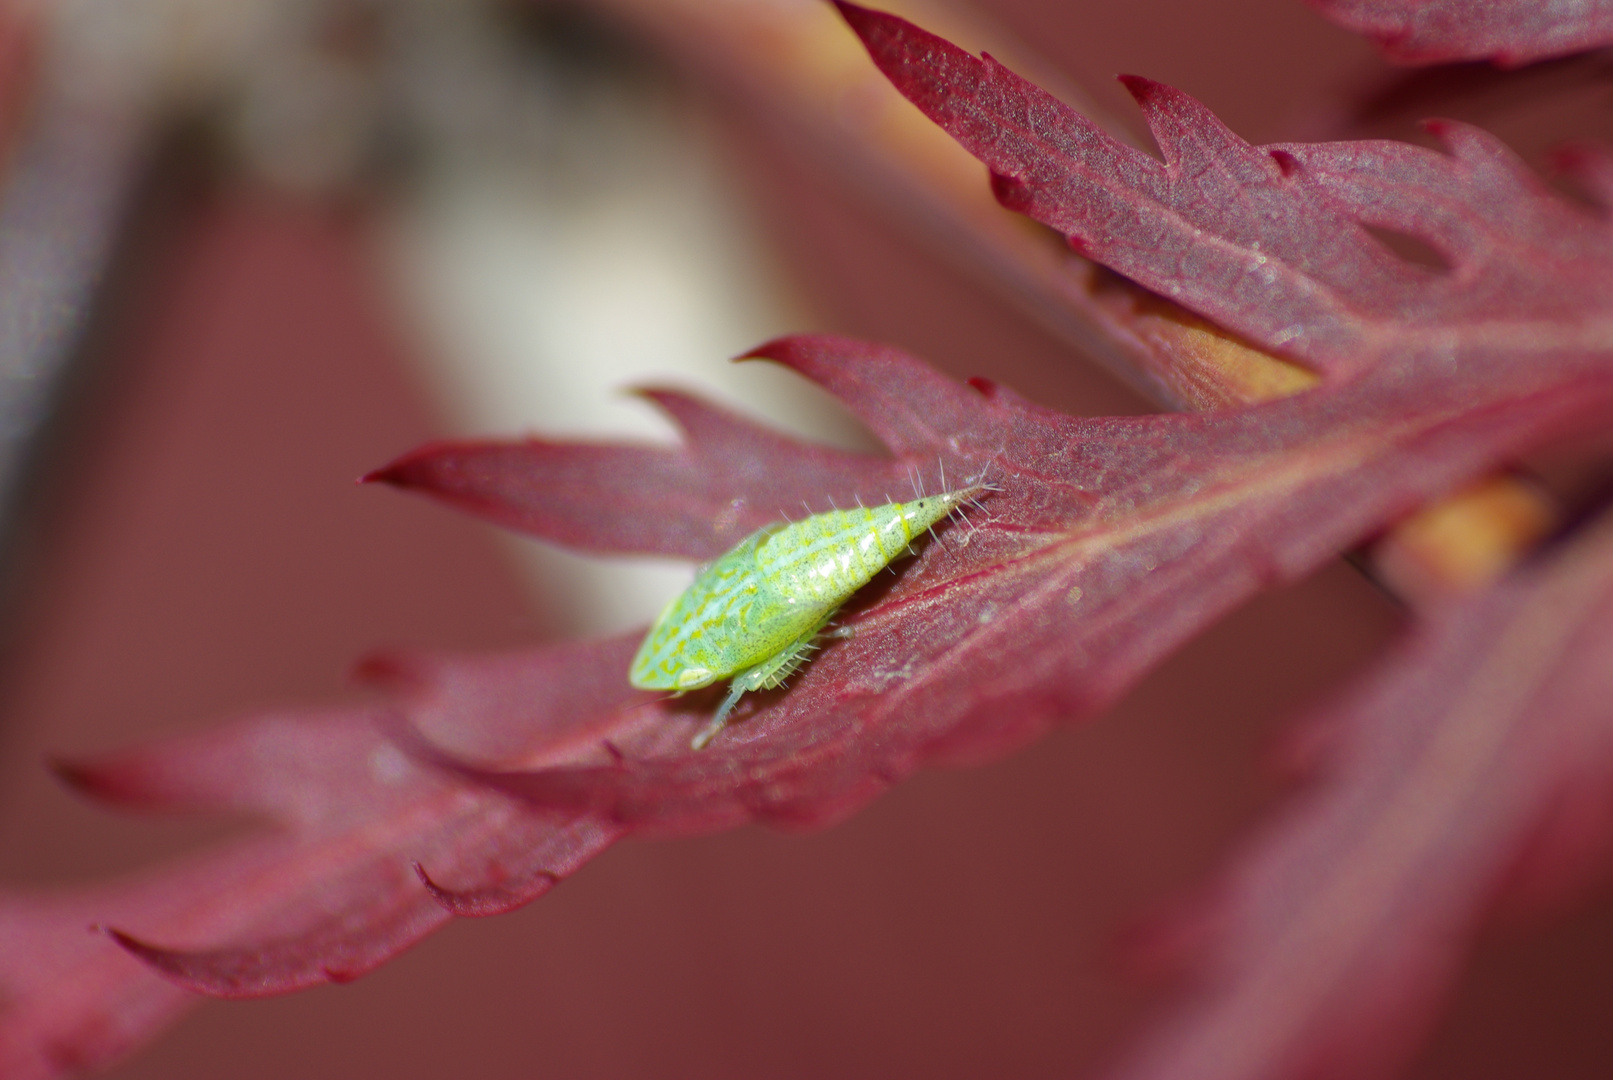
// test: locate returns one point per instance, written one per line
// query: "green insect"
(754, 613)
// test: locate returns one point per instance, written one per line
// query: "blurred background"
(251, 249)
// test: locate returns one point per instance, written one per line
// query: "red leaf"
(1111, 541)
(1269, 241)
(373, 850)
(1483, 748)
(1108, 544)
(617, 499)
(1509, 32)
(338, 893)
(1156, 524)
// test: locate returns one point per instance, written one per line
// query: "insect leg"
(764, 676)
(774, 670)
(720, 721)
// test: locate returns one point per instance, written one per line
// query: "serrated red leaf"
(339, 894)
(1109, 543)
(1509, 32)
(372, 850)
(1477, 762)
(617, 499)
(1270, 241)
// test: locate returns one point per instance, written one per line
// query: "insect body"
(753, 614)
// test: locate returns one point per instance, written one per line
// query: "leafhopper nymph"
(754, 613)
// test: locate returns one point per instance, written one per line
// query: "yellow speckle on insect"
(691, 678)
(753, 614)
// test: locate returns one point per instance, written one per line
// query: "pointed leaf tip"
(491, 900)
(784, 348)
(867, 23)
(395, 473)
(385, 670)
(96, 781)
(411, 470)
(1140, 87)
(75, 775)
(894, 42)
(159, 958)
(438, 893)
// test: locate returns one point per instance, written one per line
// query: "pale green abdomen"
(731, 618)
(827, 557)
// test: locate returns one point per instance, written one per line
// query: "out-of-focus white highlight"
(540, 289)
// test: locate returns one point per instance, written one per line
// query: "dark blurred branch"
(77, 162)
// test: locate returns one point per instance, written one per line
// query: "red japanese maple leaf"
(1107, 543)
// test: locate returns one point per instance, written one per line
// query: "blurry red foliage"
(1509, 32)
